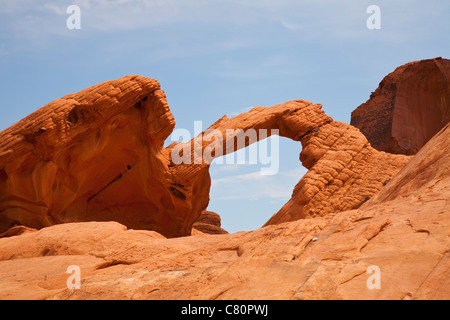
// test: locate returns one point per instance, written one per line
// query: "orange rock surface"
(409, 107)
(403, 230)
(86, 181)
(344, 172)
(209, 222)
(98, 155)
(93, 155)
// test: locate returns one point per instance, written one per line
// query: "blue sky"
(216, 57)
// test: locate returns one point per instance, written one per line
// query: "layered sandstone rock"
(344, 172)
(93, 155)
(403, 231)
(292, 119)
(99, 155)
(409, 107)
(86, 181)
(208, 222)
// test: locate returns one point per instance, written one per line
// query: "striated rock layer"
(86, 181)
(344, 172)
(403, 232)
(93, 155)
(98, 155)
(209, 222)
(408, 108)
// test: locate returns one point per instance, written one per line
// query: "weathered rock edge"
(403, 232)
(99, 155)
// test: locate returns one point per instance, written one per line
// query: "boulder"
(408, 108)
(208, 222)
(93, 155)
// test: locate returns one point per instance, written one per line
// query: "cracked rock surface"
(404, 231)
(86, 181)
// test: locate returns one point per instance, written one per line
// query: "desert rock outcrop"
(93, 155)
(344, 172)
(98, 155)
(408, 108)
(208, 222)
(86, 181)
(403, 232)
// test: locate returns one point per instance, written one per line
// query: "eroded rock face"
(209, 222)
(93, 155)
(99, 155)
(403, 231)
(408, 108)
(344, 172)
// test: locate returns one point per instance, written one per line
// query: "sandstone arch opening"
(243, 197)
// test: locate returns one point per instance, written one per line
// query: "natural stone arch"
(344, 170)
(99, 155)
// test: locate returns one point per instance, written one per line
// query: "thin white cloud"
(242, 110)
(225, 167)
(258, 67)
(292, 25)
(56, 9)
(224, 25)
(254, 176)
(254, 186)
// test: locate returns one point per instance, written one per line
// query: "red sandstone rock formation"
(344, 172)
(209, 222)
(403, 230)
(93, 155)
(98, 155)
(408, 108)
